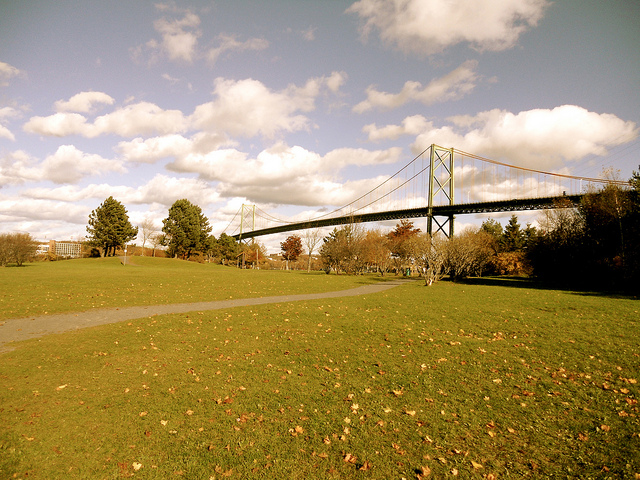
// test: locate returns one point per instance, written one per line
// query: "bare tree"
(16, 247)
(468, 253)
(311, 239)
(147, 230)
(156, 239)
(430, 255)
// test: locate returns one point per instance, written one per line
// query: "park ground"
(485, 379)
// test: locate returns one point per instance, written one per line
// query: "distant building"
(61, 249)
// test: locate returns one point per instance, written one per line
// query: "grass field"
(78, 285)
(478, 380)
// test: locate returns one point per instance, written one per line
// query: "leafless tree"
(429, 254)
(468, 253)
(147, 231)
(311, 239)
(156, 240)
(17, 248)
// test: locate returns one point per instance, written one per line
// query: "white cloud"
(309, 34)
(83, 102)
(165, 190)
(283, 174)
(5, 113)
(59, 125)
(278, 164)
(452, 86)
(413, 125)
(7, 72)
(70, 165)
(18, 167)
(179, 37)
(248, 108)
(305, 191)
(336, 80)
(342, 157)
(142, 118)
(429, 26)
(66, 165)
(72, 193)
(15, 209)
(228, 43)
(151, 150)
(542, 138)
(160, 190)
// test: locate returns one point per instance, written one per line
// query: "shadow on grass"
(532, 283)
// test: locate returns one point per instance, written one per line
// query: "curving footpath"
(18, 329)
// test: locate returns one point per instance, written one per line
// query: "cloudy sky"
(297, 106)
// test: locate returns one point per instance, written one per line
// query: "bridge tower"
(440, 184)
(247, 219)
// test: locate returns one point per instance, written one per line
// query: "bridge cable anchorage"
(495, 187)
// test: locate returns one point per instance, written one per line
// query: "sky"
(297, 106)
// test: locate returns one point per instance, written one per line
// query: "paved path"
(15, 330)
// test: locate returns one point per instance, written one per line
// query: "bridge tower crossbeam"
(440, 184)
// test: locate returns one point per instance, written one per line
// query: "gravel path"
(15, 330)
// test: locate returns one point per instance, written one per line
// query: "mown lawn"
(467, 381)
(78, 285)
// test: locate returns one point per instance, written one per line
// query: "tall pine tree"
(109, 227)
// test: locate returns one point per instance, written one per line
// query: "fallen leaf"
(476, 465)
(136, 466)
(424, 472)
(350, 458)
(410, 412)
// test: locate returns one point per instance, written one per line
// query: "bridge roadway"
(436, 211)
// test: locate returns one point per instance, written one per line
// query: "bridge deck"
(436, 211)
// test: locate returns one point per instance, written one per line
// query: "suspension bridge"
(435, 187)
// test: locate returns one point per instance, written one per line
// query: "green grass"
(482, 381)
(83, 284)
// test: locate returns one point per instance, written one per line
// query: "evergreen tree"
(226, 248)
(109, 227)
(186, 229)
(513, 237)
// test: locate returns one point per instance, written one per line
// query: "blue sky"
(297, 105)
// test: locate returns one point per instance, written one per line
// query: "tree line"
(185, 233)
(591, 245)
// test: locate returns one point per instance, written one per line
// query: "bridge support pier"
(440, 184)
